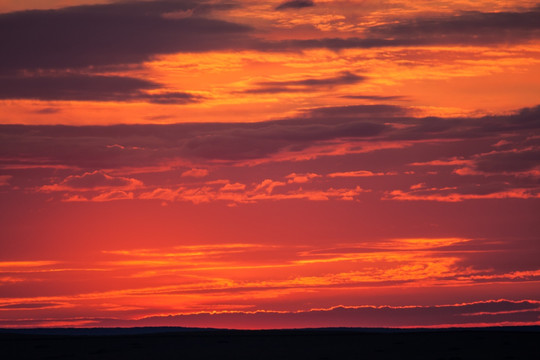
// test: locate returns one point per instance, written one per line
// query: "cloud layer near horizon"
(473, 314)
(485, 313)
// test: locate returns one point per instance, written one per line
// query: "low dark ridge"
(495, 343)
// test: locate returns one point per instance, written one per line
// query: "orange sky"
(269, 164)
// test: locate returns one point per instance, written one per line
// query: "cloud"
(34, 305)
(518, 161)
(132, 32)
(403, 261)
(167, 98)
(467, 28)
(358, 173)
(295, 4)
(469, 128)
(445, 162)
(150, 145)
(241, 193)
(492, 312)
(113, 195)
(468, 192)
(268, 185)
(197, 173)
(480, 313)
(356, 111)
(26, 264)
(374, 97)
(339, 130)
(501, 143)
(305, 85)
(233, 187)
(111, 34)
(335, 44)
(81, 87)
(47, 111)
(301, 178)
(103, 197)
(90, 181)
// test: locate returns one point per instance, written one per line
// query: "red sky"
(269, 164)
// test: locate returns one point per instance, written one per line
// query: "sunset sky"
(267, 164)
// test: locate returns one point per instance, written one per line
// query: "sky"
(269, 164)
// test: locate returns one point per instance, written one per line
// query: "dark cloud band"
(79, 87)
(134, 32)
(112, 34)
(295, 4)
(308, 84)
(90, 146)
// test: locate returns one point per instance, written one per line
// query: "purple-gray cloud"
(469, 28)
(90, 147)
(375, 97)
(309, 84)
(358, 111)
(80, 87)
(466, 27)
(295, 4)
(134, 32)
(481, 313)
(111, 34)
(485, 312)
(508, 161)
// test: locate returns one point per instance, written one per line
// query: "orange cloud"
(197, 173)
(358, 173)
(268, 185)
(457, 197)
(301, 178)
(26, 264)
(92, 181)
(105, 196)
(187, 279)
(233, 187)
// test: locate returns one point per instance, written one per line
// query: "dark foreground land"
(500, 343)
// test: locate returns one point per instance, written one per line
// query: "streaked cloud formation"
(188, 278)
(269, 164)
